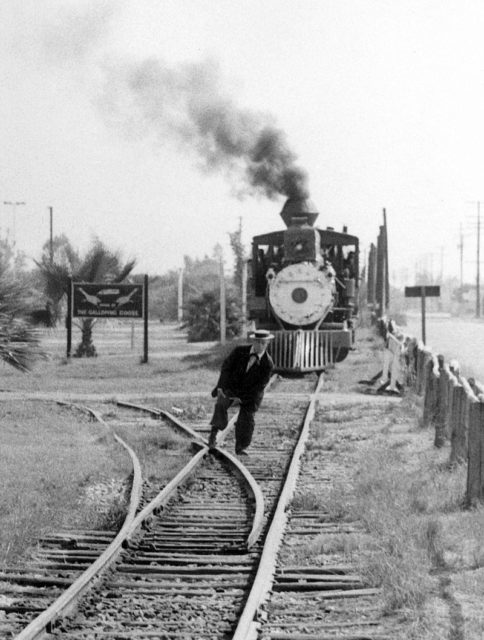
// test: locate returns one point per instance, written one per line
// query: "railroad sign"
(422, 292)
(91, 300)
(428, 291)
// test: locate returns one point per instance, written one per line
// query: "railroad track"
(199, 559)
(198, 547)
(60, 561)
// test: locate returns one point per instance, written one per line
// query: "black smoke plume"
(189, 105)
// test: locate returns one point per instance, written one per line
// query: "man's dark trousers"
(246, 383)
(244, 427)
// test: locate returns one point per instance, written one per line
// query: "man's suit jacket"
(248, 385)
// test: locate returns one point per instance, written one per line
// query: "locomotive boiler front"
(301, 294)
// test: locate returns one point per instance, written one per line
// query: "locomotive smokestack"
(297, 211)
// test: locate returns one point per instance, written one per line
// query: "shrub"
(202, 317)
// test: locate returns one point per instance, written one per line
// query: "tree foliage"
(202, 308)
(199, 275)
(239, 257)
(202, 315)
(100, 264)
(19, 340)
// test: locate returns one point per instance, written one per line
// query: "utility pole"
(222, 299)
(51, 235)
(14, 206)
(180, 296)
(244, 296)
(478, 272)
(460, 246)
(478, 260)
(387, 269)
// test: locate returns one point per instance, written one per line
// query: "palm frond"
(55, 277)
(126, 270)
(19, 343)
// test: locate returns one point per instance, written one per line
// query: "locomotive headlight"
(299, 296)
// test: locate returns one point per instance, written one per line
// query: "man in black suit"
(244, 374)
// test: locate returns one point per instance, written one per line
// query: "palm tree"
(100, 264)
(19, 341)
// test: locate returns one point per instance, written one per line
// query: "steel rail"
(258, 520)
(186, 430)
(247, 625)
(63, 605)
(41, 626)
(165, 494)
(241, 470)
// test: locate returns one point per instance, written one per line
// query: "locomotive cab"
(303, 287)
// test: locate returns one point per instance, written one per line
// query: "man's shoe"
(241, 452)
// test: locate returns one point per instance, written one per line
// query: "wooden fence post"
(420, 369)
(451, 381)
(430, 393)
(458, 434)
(475, 467)
(410, 380)
(442, 404)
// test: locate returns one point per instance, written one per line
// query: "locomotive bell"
(298, 211)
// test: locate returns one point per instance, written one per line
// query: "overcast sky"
(103, 116)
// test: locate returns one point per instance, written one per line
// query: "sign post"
(69, 319)
(145, 320)
(422, 292)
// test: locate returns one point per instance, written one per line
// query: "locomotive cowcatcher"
(303, 287)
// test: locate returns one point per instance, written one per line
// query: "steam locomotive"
(303, 287)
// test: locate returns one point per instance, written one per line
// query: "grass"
(162, 453)
(172, 364)
(82, 484)
(311, 500)
(416, 536)
(60, 470)
(398, 558)
(38, 488)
